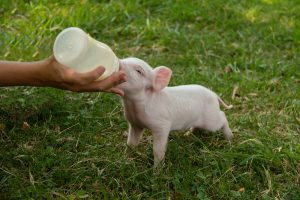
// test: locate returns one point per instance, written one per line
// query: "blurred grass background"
(58, 144)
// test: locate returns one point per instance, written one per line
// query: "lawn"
(62, 145)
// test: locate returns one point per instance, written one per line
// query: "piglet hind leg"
(225, 127)
(134, 135)
(160, 140)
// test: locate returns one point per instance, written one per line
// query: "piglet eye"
(139, 71)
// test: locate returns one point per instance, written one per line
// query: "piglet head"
(142, 78)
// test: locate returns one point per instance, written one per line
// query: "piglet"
(149, 103)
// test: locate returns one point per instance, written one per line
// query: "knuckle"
(115, 81)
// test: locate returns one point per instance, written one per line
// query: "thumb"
(92, 75)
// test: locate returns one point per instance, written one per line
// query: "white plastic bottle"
(76, 49)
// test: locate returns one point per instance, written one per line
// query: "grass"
(62, 145)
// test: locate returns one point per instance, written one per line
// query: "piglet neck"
(135, 98)
(134, 107)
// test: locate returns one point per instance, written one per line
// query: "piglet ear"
(161, 78)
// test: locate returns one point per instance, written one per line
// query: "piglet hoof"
(228, 136)
(131, 144)
(128, 150)
(158, 167)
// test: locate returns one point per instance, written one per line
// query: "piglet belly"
(186, 114)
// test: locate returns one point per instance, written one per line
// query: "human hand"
(56, 75)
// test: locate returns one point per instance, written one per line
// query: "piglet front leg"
(160, 140)
(134, 135)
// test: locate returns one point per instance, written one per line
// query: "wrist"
(46, 73)
(38, 73)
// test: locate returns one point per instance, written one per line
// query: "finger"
(95, 88)
(113, 80)
(85, 78)
(117, 91)
(103, 85)
(92, 75)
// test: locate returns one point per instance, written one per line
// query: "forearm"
(50, 73)
(21, 73)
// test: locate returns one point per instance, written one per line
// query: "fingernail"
(100, 70)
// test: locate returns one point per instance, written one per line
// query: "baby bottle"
(76, 49)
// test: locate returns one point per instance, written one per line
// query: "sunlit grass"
(57, 144)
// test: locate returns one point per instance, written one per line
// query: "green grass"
(75, 146)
